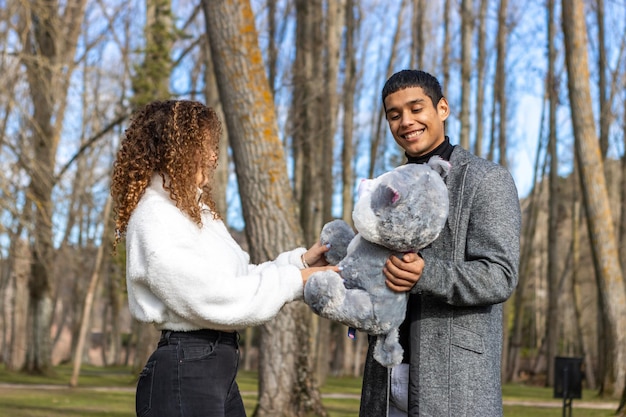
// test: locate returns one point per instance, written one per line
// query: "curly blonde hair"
(174, 138)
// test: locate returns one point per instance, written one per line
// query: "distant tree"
(481, 61)
(307, 115)
(447, 44)
(528, 252)
(49, 32)
(85, 317)
(379, 129)
(500, 87)
(334, 24)
(152, 75)
(349, 92)
(622, 235)
(552, 318)
(595, 197)
(467, 28)
(418, 34)
(345, 356)
(603, 97)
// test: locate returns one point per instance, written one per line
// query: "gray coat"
(456, 314)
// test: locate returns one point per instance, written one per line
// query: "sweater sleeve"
(185, 277)
(482, 266)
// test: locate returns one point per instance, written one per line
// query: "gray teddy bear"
(401, 211)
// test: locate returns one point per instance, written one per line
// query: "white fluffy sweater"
(184, 277)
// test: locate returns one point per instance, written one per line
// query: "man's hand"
(402, 274)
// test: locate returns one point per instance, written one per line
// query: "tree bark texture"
(21, 257)
(552, 319)
(349, 88)
(605, 108)
(467, 24)
(286, 387)
(49, 44)
(309, 129)
(600, 223)
(418, 34)
(480, 70)
(501, 81)
(378, 130)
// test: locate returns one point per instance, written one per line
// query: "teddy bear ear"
(365, 186)
(395, 196)
(439, 165)
(385, 195)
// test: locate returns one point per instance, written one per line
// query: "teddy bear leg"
(388, 351)
(325, 293)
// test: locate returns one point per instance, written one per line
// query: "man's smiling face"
(416, 125)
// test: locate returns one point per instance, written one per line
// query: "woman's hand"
(307, 272)
(403, 273)
(315, 255)
(315, 261)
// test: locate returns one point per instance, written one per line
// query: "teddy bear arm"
(338, 234)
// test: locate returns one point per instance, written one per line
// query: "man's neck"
(444, 150)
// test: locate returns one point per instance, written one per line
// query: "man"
(452, 334)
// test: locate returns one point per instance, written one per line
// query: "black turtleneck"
(444, 150)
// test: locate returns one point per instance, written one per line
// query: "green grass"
(110, 392)
(66, 402)
(520, 392)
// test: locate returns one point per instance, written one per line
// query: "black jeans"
(191, 374)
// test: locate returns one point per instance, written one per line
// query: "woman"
(184, 271)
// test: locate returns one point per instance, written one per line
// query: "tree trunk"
(605, 105)
(307, 114)
(622, 234)
(151, 80)
(467, 23)
(418, 34)
(345, 345)
(328, 115)
(50, 43)
(552, 318)
(379, 132)
(272, 49)
(15, 356)
(349, 91)
(286, 386)
(312, 135)
(447, 52)
(335, 19)
(590, 371)
(480, 70)
(528, 246)
(85, 319)
(501, 81)
(600, 221)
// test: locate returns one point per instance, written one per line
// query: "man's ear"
(443, 109)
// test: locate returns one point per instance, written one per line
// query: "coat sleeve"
(478, 264)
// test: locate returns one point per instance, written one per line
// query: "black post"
(567, 401)
(568, 381)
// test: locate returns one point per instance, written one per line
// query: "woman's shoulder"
(155, 207)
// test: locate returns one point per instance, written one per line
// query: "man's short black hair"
(413, 78)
